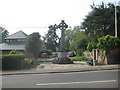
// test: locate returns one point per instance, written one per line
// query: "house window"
(23, 39)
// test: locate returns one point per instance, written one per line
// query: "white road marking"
(76, 82)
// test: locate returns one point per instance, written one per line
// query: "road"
(96, 79)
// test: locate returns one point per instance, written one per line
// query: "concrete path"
(60, 68)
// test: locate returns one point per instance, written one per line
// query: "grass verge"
(78, 58)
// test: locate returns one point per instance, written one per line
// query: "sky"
(37, 15)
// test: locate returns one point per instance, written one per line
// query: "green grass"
(78, 58)
(55, 52)
(40, 59)
(44, 60)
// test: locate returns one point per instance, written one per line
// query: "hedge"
(13, 62)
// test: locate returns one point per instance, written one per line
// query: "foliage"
(79, 43)
(100, 21)
(14, 62)
(69, 35)
(51, 38)
(91, 46)
(33, 44)
(14, 52)
(107, 43)
(49, 52)
(78, 58)
(3, 34)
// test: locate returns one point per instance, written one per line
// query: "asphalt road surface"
(97, 79)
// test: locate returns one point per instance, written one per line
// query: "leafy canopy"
(33, 44)
(51, 38)
(101, 21)
(3, 34)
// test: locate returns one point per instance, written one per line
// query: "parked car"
(90, 61)
(72, 54)
(55, 55)
(45, 55)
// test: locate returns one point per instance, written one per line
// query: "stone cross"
(62, 26)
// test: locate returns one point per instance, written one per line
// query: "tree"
(69, 35)
(51, 38)
(33, 44)
(100, 21)
(79, 43)
(3, 34)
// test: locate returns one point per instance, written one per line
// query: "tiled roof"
(17, 35)
(5, 46)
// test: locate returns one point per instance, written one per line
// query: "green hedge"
(78, 58)
(14, 62)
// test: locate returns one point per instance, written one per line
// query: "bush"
(12, 52)
(14, 62)
(15, 52)
(49, 52)
(27, 64)
(78, 58)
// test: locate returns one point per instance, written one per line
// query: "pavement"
(62, 68)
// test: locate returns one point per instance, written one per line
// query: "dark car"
(90, 61)
(72, 54)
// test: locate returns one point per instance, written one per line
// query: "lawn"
(45, 60)
(78, 58)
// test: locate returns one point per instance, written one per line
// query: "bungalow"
(15, 41)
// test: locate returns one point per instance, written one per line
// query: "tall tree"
(33, 44)
(79, 42)
(101, 20)
(3, 34)
(69, 35)
(51, 38)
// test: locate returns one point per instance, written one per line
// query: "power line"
(26, 27)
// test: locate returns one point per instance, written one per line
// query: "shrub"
(49, 52)
(27, 64)
(108, 43)
(12, 52)
(13, 62)
(15, 52)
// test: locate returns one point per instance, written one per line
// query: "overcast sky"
(36, 15)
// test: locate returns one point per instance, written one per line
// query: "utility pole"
(115, 20)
